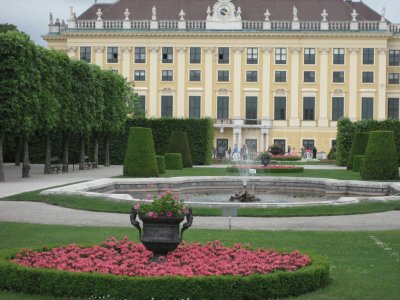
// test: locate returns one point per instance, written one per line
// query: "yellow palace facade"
(266, 71)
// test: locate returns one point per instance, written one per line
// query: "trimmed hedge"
(332, 154)
(160, 164)
(380, 162)
(69, 284)
(178, 143)
(358, 159)
(358, 147)
(140, 158)
(270, 171)
(173, 161)
(286, 158)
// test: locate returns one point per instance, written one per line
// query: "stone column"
(208, 81)
(237, 82)
(180, 103)
(294, 120)
(323, 89)
(99, 56)
(153, 94)
(382, 61)
(72, 52)
(266, 85)
(126, 62)
(353, 84)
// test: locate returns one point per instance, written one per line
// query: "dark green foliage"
(140, 158)
(7, 27)
(70, 284)
(271, 171)
(332, 154)
(357, 161)
(173, 161)
(380, 162)
(344, 139)
(358, 147)
(286, 158)
(160, 164)
(178, 143)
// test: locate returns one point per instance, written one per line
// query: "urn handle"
(135, 223)
(189, 221)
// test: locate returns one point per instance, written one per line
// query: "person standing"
(289, 150)
(229, 153)
(235, 152)
(314, 151)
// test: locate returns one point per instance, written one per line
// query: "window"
(142, 102)
(222, 107)
(337, 108)
(338, 56)
(367, 77)
(194, 107)
(309, 56)
(223, 55)
(251, 76)
(112, 55)
(394, 78)
(281, 143)
(393, 108)
(308, 144)
(167, 55)
(338, 76)
(224, 144)
(252, 56)
(309, 76)
(368, 56)
(140, 55)
(280, 56)
(166, 106)
(394, 57)
(308, 108)
(367, 108)
(195, 55)
(223, 76)
(167, 75)
(280, 76)
(251, 110)
(194, 75)
(280, 108)
(140, 75)
(86, 54)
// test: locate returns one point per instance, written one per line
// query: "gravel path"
(41, 213)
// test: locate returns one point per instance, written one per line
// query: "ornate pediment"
(224, 15)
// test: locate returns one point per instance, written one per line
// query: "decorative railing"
(196, 25)
(281, 25)
(167, 24)
(394, 28)
(368, 25)
(140, 24)
(252, 25)
(339, 26)
(310, 25)
(85, 25)
(112, 24)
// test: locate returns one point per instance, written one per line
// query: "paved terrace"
(41, 213)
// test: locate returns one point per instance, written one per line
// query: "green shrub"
(160, 164)
(285, 158)
(178, 143)
(96, 286)
(140, 158)
(358, 147)
(380, 157)
(357, 162)
(332, 154)
(173, 161)
(270, 171)
(344, 139)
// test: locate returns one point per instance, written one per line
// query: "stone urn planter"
(162, 234)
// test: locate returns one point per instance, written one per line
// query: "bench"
(55, 165)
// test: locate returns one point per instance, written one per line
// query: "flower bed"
(267, 169)
(198, 268)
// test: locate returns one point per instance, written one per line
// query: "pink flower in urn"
(136, 206)
(169, 214)
(150, 214)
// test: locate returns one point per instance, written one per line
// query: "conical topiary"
(178, 143)
(358, 147)
(140, 157)
(380, 162)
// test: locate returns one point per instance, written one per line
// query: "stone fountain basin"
(119, 189)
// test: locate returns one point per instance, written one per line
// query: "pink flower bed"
(128, 258)
(267, 167)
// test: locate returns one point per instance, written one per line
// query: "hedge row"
(346, 130)
(160, 164)
(199, 133)
(269, 171)
(173, 161)
(286, 158)
(358, 147)
(69, 284)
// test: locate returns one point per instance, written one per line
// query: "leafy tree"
(345, 135)
(7, 27)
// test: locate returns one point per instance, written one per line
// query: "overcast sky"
(32, 16)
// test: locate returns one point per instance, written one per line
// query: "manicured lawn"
(361, 268)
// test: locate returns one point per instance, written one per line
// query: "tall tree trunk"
(25, 161)
(65, 153)
(107, 152)
(96, 151)
(18, 150)
(1, 157)
(47, 158)
(82, 157)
